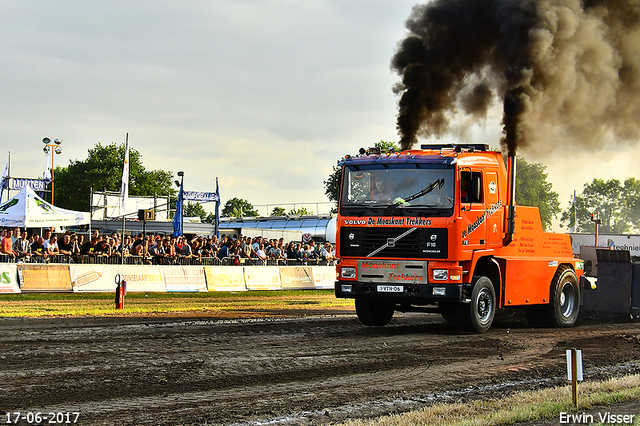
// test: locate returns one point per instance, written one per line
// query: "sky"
(266, 95)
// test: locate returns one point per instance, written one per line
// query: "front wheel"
(478, 315)
(374, 313)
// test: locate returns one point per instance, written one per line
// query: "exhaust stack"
(511, 207)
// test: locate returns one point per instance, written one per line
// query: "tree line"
(102, 170)
(616, 203)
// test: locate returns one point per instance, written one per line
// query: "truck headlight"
(348, 272)
(440, 274)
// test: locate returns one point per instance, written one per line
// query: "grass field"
(246, 304)
(542, 405)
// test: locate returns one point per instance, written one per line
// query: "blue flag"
(177, 218)
(4, 183)
(217, 210)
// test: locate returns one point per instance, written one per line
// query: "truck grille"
(415, 243)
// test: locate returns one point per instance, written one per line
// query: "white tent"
(27, 210)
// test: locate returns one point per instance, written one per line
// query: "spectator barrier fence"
(208, 274)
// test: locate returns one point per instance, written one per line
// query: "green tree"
(211, 218)
(237, 207)
(533, 189)
(615, 204)
(277, 211)
(632, 203)
(332, 184)
(102, 170)
(302, 211)
(194, 210)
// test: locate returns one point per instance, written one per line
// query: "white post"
(574, 371)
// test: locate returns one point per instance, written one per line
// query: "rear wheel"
(374, 313)
(565, 298)
(564, 306)
(478, 315)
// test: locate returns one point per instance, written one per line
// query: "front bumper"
(401, 293)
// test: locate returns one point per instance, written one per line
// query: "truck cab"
(428, 230)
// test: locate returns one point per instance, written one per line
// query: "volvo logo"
(351, 236)
(434, 237)
(391, 242)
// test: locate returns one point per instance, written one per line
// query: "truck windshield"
(376, 189)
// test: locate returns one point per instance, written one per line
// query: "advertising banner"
(142, 278)
(296, 278)
(324, 277)
(35, 184)
(184, 278)
(93, 278)
(44, 278)
(612, 241)
(202, 197)
(225, 278)
(262, 278)
(9, 279)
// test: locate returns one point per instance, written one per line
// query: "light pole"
(595, 218)
(54, 148)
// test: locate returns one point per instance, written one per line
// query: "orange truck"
(437, 230)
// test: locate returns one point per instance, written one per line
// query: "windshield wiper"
(438, 183)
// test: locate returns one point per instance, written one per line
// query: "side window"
(476, 187)
(470, 187)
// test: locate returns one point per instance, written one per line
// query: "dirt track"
(310, 370)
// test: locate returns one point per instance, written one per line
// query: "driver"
(464, 187)
(382, 190)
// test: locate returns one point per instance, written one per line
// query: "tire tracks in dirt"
(281, 371)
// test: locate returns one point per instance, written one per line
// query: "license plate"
(390, 289)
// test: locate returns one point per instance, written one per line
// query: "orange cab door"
(494, 210)
(472, 209)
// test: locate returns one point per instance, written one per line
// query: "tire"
(478, 315)
(565, 298)
(564, 303)
(374, 313)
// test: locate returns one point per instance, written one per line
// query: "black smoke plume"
(567, 72)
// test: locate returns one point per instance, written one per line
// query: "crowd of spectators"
(20, 246)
